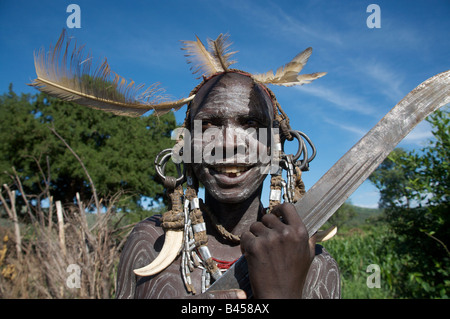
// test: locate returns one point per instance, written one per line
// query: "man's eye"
(252, 123)
(206, 124)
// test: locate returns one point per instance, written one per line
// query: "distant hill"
(362, 214)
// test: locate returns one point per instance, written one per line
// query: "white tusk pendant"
(324, 235)
(172, 245)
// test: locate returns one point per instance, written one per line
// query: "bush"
(354, 251)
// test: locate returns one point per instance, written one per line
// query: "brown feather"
(288, 75)
(201, 59)
(219, 49)
(71, 79)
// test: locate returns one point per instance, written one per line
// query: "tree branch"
(94, 192)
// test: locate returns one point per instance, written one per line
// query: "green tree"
(415, 189)
(393, 178)
(118, 152)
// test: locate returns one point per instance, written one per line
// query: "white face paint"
(232, 111)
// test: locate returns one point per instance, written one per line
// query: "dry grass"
(41, 268)
(64, 252)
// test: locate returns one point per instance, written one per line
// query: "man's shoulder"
(323, 279)
(148, 228)
(146, 237)
(323, 254)
(152, 221)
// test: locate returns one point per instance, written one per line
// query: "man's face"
(229, 117)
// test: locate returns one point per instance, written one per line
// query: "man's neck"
(236, 217)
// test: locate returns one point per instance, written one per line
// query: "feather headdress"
(71, 77)
(288, 75)
(209, 62)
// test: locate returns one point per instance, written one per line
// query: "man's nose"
(234, 142)
(229, 138)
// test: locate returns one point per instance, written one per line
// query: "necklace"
(219, 227)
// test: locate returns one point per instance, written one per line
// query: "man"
(276, 245)
(181, 254)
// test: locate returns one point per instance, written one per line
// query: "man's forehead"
(228, 97)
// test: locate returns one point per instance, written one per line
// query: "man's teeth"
(237, 170)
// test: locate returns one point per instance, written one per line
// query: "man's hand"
(278, 252)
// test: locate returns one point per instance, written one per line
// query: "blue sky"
(369, 69)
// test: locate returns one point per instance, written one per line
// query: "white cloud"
(387, 80)
(294, 27)
(364, 205)
(350, 128)
(419, 135)
(367, 195)
(343, 101)
(269, 14)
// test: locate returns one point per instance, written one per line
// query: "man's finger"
(258, 229)
(287, 213)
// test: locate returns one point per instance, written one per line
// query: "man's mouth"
(231, 171)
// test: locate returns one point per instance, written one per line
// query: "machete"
(323, 199)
